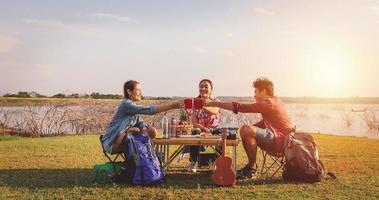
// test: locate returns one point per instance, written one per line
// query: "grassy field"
(61, 167)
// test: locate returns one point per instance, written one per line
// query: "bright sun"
(330, 73)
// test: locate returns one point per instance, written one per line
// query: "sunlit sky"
(308, 48)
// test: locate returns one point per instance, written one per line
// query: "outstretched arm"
(133, 108)
(211, 110)
(220, 104)
(239, 107)
(163, 108)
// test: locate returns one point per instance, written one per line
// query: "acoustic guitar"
(224, 174)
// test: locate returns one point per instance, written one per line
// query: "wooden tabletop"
(193, 141)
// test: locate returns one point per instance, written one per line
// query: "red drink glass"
(198, 103)
(188, 103)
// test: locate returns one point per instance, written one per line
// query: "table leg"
(167, 147)
(173, 156)
(168, 152)
(167, 158)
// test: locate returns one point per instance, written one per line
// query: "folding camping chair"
(273, 162)
(111, 157)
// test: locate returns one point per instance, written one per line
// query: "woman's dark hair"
(129, 85)
(206, 80)
(263, 83)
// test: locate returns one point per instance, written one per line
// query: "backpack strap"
(142, 177)
(134, 150)
(287, 139)
(288, 144)
(331, 175)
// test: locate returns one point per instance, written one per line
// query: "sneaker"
(247, 172)
(192, 167)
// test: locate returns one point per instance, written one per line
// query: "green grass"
(61, 168)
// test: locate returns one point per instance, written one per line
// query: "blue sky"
(308, 48)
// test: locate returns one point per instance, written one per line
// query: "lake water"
(322, 118)
(331, 119)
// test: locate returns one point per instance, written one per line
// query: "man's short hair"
(263, 83)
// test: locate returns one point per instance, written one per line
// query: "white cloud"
(263, 11)
(60, 25)
(109, 16)
(7, 43)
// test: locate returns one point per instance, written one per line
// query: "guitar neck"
(223, 145)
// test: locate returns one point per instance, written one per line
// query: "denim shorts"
(265, 139)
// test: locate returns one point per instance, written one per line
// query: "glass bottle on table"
(173, 127)
(165, 127)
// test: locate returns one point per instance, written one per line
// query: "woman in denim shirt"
(127, 118)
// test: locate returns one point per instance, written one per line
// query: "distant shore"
(14, 101)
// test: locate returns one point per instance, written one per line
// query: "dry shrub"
(301, 111)
(324, 115)
(228, 118)
(348, 117)
(371, 119)
(90, 118)
(42, 119)
(62, 118)
(5, 118)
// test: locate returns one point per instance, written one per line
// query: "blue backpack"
(142, 166)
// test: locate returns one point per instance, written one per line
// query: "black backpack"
(303, 163)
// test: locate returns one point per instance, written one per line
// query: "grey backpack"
(303, 163)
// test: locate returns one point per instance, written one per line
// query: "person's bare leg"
(248, 135)
(152, 132)
(117, 144)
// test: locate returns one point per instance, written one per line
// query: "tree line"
(93, 95)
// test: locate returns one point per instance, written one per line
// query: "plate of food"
(188, 136)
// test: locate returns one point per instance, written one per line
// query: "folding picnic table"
(162, 146)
